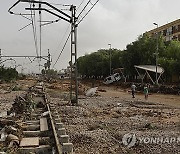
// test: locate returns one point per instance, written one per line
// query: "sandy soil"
(98, 124)
(171, 100)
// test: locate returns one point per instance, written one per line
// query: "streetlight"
(0, 56)
(109, 58)
(156, 53)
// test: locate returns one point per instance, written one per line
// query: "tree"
(170, 60)
(141, 52)
(8, 74)
(51, 73)
(96, 64)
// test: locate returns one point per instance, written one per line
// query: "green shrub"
(8, 74)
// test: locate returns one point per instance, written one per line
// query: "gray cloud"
(118, 22)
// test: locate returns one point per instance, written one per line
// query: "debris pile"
(11, 121)
(91, 92)
(62, 87)
(22, 105)
(169, 89)
(10, 135)
(98, 124)
(164, 89)
(65, 87)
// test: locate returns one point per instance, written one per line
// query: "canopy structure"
(149, 68)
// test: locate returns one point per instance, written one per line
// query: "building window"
(176, 27)
(164, 32)
(169, 31)
(169, 38)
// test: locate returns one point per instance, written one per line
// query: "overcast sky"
(118, 22)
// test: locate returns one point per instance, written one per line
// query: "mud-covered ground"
(9, 91)
(112, 122)
(98, 124)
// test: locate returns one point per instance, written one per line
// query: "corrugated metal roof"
(151, 68)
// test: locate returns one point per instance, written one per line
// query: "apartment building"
(170, 31)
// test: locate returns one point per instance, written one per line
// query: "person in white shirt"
(133, 89)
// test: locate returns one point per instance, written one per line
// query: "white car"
(112, 78)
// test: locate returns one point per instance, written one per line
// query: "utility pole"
(110, 55)
(73, 21)
(49, 60)
(40, 29)
(73, 56)
(0, 56)
(156, 53)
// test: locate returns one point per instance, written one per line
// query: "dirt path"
(172, 100)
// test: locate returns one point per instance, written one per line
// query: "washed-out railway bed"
(32, 125)
(98, 124)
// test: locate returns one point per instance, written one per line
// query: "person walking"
(133, 89)
(146, 91)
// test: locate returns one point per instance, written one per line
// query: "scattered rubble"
(91, 92)
(11, 120)
(98, 124)
(164, 89)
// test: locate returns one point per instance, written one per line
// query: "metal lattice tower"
(73, 63)
(72, 20)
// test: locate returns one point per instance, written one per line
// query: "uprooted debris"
(91, 92)
(15, 107)
(27, 103)
(11, 122)
(164, 89)
(102, 90)
(21, 105)
(98, 124)
(6, 122)
(64, 86)
(12, 140)
(172, 89)
(10, 134)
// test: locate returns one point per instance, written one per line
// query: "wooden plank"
(43, 124)
(31, 133)
(30, 142)
(39, 149)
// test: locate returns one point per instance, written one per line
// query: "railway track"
(42, 131)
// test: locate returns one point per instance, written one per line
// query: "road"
(171, 100)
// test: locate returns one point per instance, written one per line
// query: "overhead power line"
(59, 4)
(33, 18)
(49, 22)
(78, 23)
(25, 16)
(64, 36)
(34, 31)
(84, 8)
(40, 30)
(25, 26)
(62, 49)
(87, 12)
(79, 18)
(80, 4)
